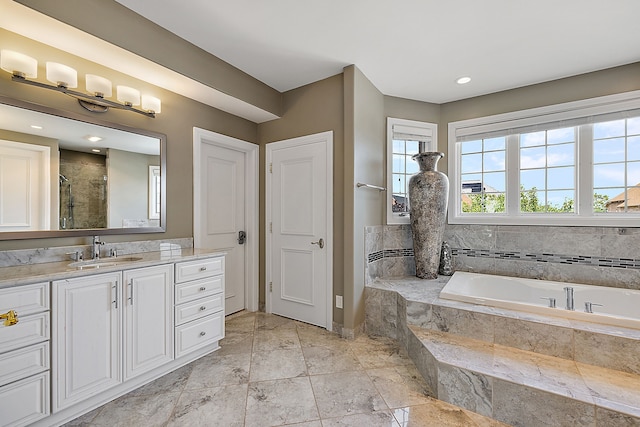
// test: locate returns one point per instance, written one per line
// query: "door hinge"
(271, 227)
(270, 167)
(270, 286)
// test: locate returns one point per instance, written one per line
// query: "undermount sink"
(107, 262)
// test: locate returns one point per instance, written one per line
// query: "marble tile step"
(585, 342)
(522, 387)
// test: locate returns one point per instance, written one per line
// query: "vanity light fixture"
(65, 78)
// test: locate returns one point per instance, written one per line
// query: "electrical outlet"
(338, 301)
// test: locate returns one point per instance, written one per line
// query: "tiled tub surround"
(589, 255)
(520, 368)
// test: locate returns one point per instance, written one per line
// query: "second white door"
(299, 186)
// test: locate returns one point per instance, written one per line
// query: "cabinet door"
(86, 337)
(148, 318)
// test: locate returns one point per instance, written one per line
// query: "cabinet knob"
(10, 318)
(203, 268)
(202, 288)
(203, 334)
(203, 308)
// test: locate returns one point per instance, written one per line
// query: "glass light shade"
(18, 63)
(128, 95)
(98, 86)
(151, 103)
(62, 75)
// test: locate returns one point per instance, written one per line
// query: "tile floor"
(272, 371)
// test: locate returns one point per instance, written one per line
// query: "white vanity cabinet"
(24, 355)
(109, 328)
(199, 298)
(148, 318)
(86, 337)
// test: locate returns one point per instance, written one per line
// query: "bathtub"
(620, 307)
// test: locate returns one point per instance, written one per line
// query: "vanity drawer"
(199, 333)
(191, 270)
(29, 330)
(198, 308)
(21, 363)
(198, 289)
(26, 401)
(26, 299)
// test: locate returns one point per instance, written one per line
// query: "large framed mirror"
(63, 174)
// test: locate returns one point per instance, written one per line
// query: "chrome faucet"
(95, 249)
(568, 292)
(588, 306)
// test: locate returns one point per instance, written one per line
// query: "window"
(154, 192)
(568, 164)
(404, 139)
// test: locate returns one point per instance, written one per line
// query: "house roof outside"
(633, 199)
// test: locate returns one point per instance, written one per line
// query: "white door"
(299, 211)
(148, 318)
(225, 210)
(86, 337)
(24, 186)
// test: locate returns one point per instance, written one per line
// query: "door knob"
(319, 243)
(242, 237)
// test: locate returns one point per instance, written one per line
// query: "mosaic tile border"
(515, 255)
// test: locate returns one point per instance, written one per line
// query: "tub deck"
(517, 367)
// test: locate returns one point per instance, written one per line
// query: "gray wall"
(310, 109)
(364, 149)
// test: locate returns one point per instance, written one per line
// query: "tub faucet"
(588, 306)
(552, 301)
(568, 292)
(95, 249)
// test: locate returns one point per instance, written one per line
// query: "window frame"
(422, 130)
(581, 114)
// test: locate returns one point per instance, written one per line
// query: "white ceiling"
(413, 49)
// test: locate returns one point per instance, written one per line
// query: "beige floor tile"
(374, 419)
(400, 386)
(273, 371)
(148, 410)
(314, 336)
(329, 360)
(346, 393)
(379, 352)
(272, 322)
(280, 402)
(277, 364)
(275, 339)
(172, 382)
(223, 406)
(433, 413)
(236, 342)
(215, 370)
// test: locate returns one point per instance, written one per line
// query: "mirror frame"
(43, 234)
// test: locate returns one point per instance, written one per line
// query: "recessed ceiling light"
(463, 80)
(93, 138)
(36, 127)
(95, 150)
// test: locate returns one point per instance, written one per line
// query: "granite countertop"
(33, 273)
